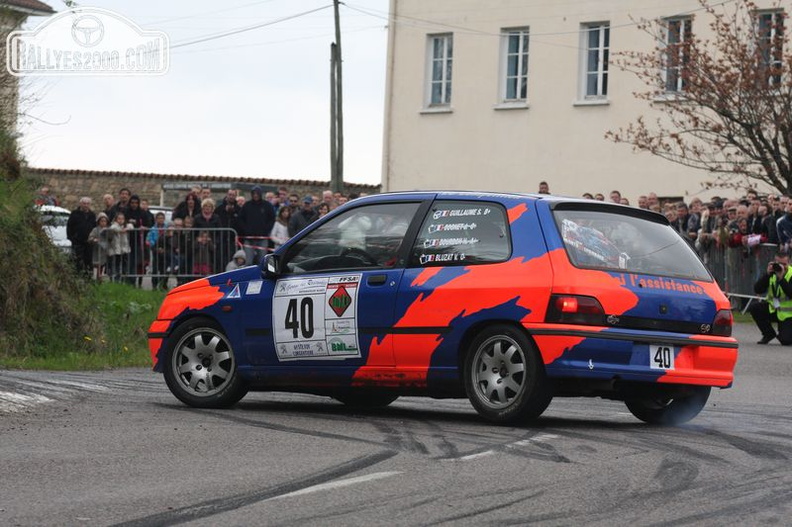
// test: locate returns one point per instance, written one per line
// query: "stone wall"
(164, 189)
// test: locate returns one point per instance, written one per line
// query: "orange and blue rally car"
(506, 299)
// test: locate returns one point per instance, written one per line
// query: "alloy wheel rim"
(499, 371)
(203, 362)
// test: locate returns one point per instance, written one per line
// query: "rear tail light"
(574, 309)
(722, 325)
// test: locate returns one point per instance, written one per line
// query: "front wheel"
(662, 410)
(200, 369)
(504, 376)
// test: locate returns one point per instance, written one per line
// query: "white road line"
(14, 402)
(475, 456)
(541, 438)
(337, 484)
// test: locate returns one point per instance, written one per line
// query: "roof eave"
(29, 11)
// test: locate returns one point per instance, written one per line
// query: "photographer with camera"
(778, 304)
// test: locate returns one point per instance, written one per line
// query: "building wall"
(163, 189)
(476, 146)
(9, 86)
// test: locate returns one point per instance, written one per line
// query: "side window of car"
(364, 237)
(462, 233)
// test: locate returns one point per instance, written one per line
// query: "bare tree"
(724, 102)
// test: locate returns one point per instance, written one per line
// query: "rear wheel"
(662, 410)
(200, 368)
(504, 376)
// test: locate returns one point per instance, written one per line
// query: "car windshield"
(622, 242)
(367, 236)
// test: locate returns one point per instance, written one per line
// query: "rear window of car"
(462, 233)
(627, 242)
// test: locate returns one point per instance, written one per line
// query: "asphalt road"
(115, 448)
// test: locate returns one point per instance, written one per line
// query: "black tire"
(365, 399)
(200, 368)
(663, 410)
(504, 376)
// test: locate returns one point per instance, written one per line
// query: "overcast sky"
(252, 104)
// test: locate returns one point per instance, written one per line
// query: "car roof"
(553, 201)
(484, 195)
(53, 209)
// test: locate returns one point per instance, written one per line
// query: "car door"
(458, 276)
(333, 301)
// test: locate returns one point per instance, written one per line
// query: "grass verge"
(122, 313)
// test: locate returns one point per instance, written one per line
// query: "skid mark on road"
(755, 448)
(226, 416)
(206, 509)
(400, 438)
(676, 475)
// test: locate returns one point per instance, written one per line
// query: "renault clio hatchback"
(508, 300)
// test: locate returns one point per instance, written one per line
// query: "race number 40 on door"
(316, 318)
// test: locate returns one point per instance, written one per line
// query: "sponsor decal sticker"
(340, 301)
(254, 287)
(235, 292)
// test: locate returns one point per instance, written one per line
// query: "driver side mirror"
(270, 266)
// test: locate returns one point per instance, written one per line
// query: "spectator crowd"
(743, 222)
(125, 240)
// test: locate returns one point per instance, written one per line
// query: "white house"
(13, 14)
(503, 94)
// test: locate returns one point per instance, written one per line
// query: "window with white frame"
(769, 39)
(440, 59)
(514, 65)
(679, 34)
(596, 46)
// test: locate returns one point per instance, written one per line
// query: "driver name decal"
(316, 318)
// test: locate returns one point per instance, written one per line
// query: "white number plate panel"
(316, 318)
(661, 356)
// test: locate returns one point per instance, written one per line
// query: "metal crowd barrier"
(737, 268)
(182, 254)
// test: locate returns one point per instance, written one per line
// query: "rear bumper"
(607, 353)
